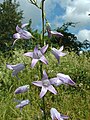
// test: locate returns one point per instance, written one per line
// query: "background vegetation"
(71, 101)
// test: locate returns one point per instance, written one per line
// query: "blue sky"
(59, 12)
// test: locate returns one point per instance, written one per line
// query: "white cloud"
(77, 11)
(30, 12)
(83, 35)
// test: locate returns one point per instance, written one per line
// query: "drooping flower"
(45, 84)
(16, 68)
(52, 33)
(22, 104)
(55, 115)
(55, 33)
(62, 79)
(37, 55)
(65, 79)
(58, 53)
(21, 33)
(22, 89)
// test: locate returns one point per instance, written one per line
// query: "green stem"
(44, 112)
(43, 99)
(42, 22)
(42, 43)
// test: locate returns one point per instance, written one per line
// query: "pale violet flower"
(65, 79)
(62, 79)
(37, 55)
(58, 53)
(22, 89)
(22, 104)
(45, 84)
(55, 115)
(21, 33)
(52, 33)
(55, 33)
(16, 68)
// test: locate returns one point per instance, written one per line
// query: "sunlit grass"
(71, 101)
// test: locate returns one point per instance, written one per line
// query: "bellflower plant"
(16, 68)
(58, 53)
(37, 55)
(45, 84)
(21, 33)
(22, 89)
(55, 115)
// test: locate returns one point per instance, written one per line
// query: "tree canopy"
(10, 16)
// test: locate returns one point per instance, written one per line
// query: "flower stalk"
(42, 9)
(42, 43)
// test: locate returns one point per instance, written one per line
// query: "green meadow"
(73, 101)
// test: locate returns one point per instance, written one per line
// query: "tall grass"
(72, 101)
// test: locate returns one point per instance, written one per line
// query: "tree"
(10, 16)
(86, 44)
(69, 40)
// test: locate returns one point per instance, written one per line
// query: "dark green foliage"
(10, 16)
(86, 44)
(69, 40)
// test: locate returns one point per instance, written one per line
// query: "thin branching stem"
(42, 8)
(34, 3)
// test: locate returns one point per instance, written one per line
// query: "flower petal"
(18, 28)
(9, 66)
(71, 82)
(43, 49)
(61, 48)
(36, 49)
(55, 81)
(25, 34)
(55, 114)
(29, 54)
(34, 61)
(37, 83)
(17, 36)
(56, 55)
(44, 75)
(52, 89)
(62, 54)
(62, 75)
(57, 33)
(64, 117)
(43, 91)
(24, 25)
(44, 60)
